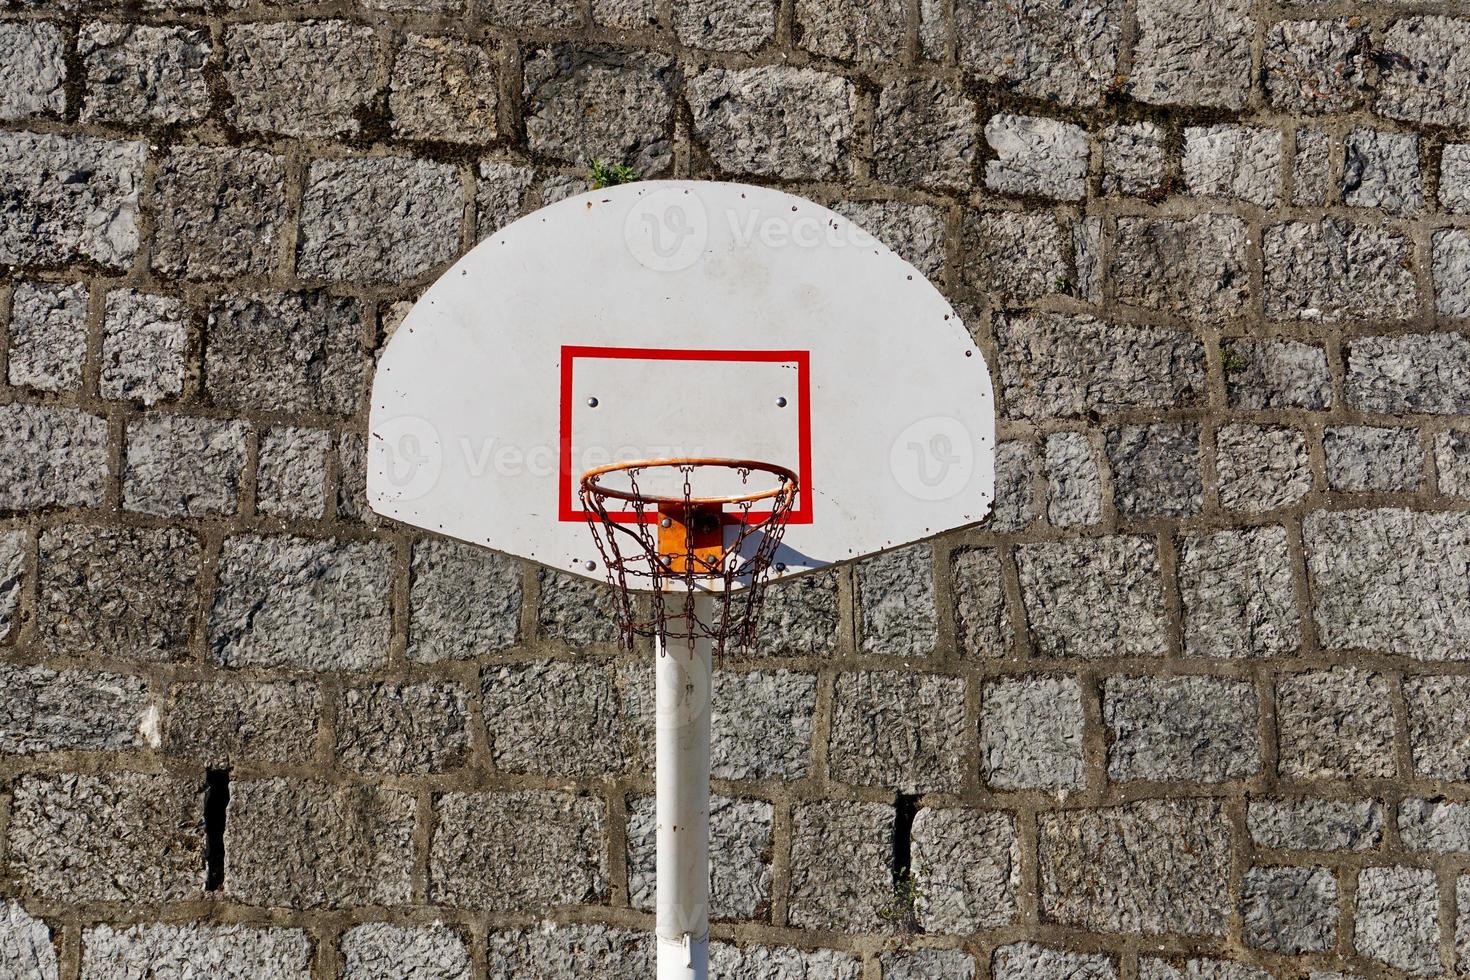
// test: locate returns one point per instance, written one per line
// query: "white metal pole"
(682, 779)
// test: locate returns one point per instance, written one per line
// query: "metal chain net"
(626, 532)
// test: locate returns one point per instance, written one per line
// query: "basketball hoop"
(680, 541)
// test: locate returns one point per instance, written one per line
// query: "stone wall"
(1195, 703)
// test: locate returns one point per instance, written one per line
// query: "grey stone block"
(1197, 969)
(223, 722)
(761, 724)
(139, 74)
(1158, 866)
(1087, 244)
(1073, 483)
(27, 950)
(1240, 162)
(45, 710)
(625, 14)
(1390, 580)
(924, 134)
(1316, 825)
(444, 89)
(1095, 597)
(1451, 271)
(1317, 66)
(12, 570)
(403, 729)
(375, 950)
(1439, 726)
(1462, 927)
(232, 952)
(295, 602)
(915, 231)
(119, 592)
(586, 104)
(1454, 178)
(1334, 269)
(774, 121)
(286, 352)
(522, 14)
(1030, 961)
(464, 601)
(982, 623)
(378, 219)
(180, 466)
(1156, 470)
(1261, 467)
(69, 199)
(1277, 374)
(603, 712)
(761, 962)
(300, 78)
(872, 33)
(1238, 595)
(1188, 266)
(798, 618)
(927, 964)
(1335, 724)
(901, 731)
(1411, 373)
(1035, 155)
(115, 837)
(559, 187)
(48, 336)
(219, 212)
(1425, 76)
(1365, 457)
(1017, 256)
(967, 866)
(569, 952)
(36, 82)
(1134, 158)
(740, 852)
(1053, 365)
(519, 851)
(1437, 826)
(52, 457)
(305, 844)
(144, 343)
(1381, 170)
(1289, 910)
(840, 857)
(292, 477)
(1195, 729)
(1190, 54)
(575, 610)
(1031, 734)
(1311, 169)
(500, 191)
(724, 25)
(898, 617)
(1059, 51)
(1397, 919)
(1015, 486)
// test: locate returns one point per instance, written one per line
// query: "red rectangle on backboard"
(569, 508)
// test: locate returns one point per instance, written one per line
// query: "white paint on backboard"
(729, 297)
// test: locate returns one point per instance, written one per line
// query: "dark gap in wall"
(903, 910)
(904, 809)
(216, 806)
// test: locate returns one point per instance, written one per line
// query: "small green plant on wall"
(908, 894)
(608, 174)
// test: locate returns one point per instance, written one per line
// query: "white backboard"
(681, 318)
